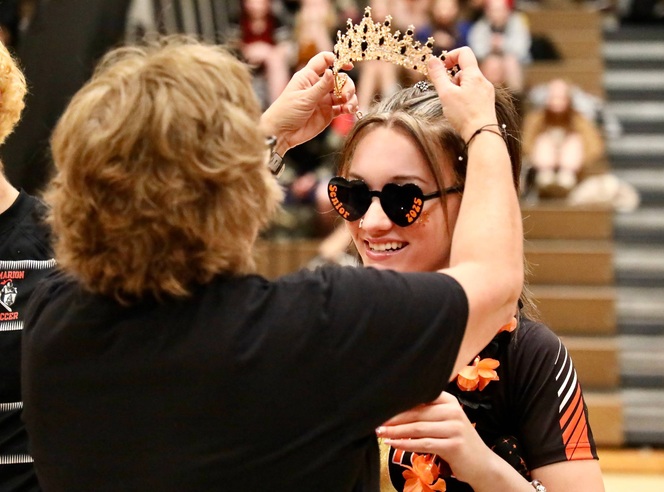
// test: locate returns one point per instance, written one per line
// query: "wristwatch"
(276, 162)
(537, 485)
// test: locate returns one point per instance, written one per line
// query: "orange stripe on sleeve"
(572, 409)
(578, 447)
(574, 425)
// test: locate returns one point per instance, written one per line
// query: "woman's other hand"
(442, 428)
(468, 98)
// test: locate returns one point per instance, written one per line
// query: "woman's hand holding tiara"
(468, 98)
(308, 104)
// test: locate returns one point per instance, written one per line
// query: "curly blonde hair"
(161, 169)
(12, 93)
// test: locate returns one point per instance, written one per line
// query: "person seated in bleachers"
(265, 42)
(589, 105)
(504, 31)
(558, 142)
(494, 68)
(314, 27)
(416, 13)
(450, 30)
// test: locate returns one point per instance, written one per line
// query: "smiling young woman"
(514, 419)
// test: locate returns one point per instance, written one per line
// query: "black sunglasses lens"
(402, 203)
(350, 199)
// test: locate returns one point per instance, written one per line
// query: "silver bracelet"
(537, 485)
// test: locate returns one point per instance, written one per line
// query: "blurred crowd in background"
(58, 42)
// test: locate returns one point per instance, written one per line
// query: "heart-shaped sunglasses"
(402, 203)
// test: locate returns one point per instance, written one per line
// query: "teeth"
(391, 246)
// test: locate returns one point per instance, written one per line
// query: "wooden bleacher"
(570, 252)
(577, 34)
(571, 249)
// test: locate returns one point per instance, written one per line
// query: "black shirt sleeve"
(397, 336)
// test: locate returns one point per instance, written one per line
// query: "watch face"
(538, 486)
(276, 164)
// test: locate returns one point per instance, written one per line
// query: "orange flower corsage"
(509, 327)
(423, 475)
(478, 374)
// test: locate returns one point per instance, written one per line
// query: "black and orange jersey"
(535, 415)
(25, 258)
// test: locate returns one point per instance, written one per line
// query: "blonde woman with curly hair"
(156, 360)
(25, 258)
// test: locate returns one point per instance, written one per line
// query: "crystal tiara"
(371, 40)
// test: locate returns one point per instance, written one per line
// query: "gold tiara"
(371, 40)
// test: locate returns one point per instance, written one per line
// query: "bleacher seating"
(576, 33)
(571, 248)
(570, 251)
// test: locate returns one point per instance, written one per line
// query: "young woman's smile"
(387, 155)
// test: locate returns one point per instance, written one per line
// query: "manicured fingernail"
(380, 430)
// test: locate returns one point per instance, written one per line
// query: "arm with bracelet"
(305, 108)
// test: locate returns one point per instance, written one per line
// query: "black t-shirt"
(245, 385)
(25, 258)
(533, 416)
